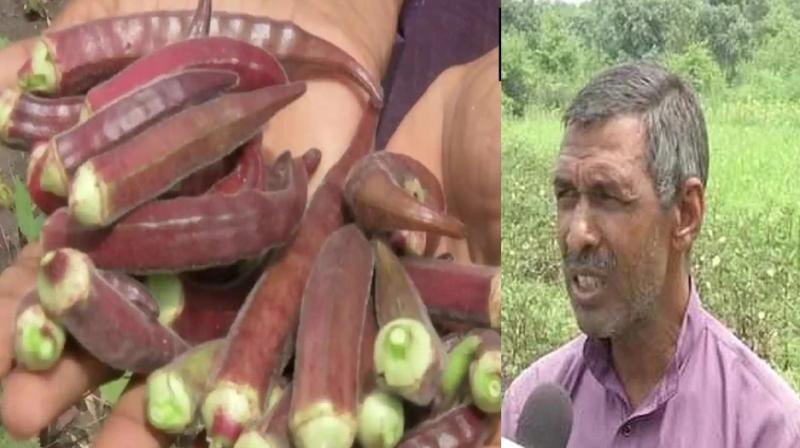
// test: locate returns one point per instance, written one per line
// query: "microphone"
(546, 418)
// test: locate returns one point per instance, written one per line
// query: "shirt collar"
(597, 355)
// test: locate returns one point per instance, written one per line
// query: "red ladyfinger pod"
(385, 196)
(251, 172)
(248, 172)
(61, 230)
(272, 431)
(174, 391)
(409, 355)
(143, 167)
(421, 183)
(309, 160)
(69, 61)
(125, 118)
(26, 120)
(114, 330)
(61, 113)
(197, 312)
(381, 418)
(241, 169)
(46, 202)
(191, 233)
(269, 317)
(454, 291)
(312, 159)
(255, 67)
(204, 179)
(326, 372)
(132, 290)
(303, 55)
(38, 339)
(462, 426)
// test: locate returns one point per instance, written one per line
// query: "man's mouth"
(586, 287)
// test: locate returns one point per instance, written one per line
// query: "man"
(653, 367)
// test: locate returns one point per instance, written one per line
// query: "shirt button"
(626, 430)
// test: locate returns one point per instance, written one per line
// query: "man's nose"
(582, 232)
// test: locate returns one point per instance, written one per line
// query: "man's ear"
(689, 210)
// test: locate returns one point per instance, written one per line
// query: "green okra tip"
(458, 362)
(167, 290)
(43, 75)
(253, 439)
(403, 353)
(86, 112)
(320, 425)
(8, 98)
(274, 396)
(88, 199)
(39, 340)
(485, 383)
(381, 421)
(170, 406)
(64, 278)
(227, 410)
(54, 176)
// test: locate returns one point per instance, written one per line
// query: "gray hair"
(677, 147)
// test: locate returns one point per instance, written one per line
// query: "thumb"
(12, 58)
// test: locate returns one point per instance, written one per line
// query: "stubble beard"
(638, 304)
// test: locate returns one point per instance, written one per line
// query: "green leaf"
(30, 224)
(111, 391)
(3, 42)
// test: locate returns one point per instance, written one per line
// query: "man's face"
(613, 235)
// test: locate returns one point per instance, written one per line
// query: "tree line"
(725, 47)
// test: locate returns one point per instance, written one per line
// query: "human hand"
(325, 117)
(454, 130)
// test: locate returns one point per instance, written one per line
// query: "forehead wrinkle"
(603, 172)
(585, 172)
(607, 152)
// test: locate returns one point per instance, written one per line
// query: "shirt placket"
(627, 434)
(631, 425)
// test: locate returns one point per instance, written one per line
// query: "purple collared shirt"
(715, 393)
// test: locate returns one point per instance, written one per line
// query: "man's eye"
(604, 196)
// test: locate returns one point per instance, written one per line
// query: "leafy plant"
(28, 220)
(111, 391)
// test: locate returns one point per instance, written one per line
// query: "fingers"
(127, 425)
(32, 400)
(471, 158)
(15, 282)
(12, 58)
